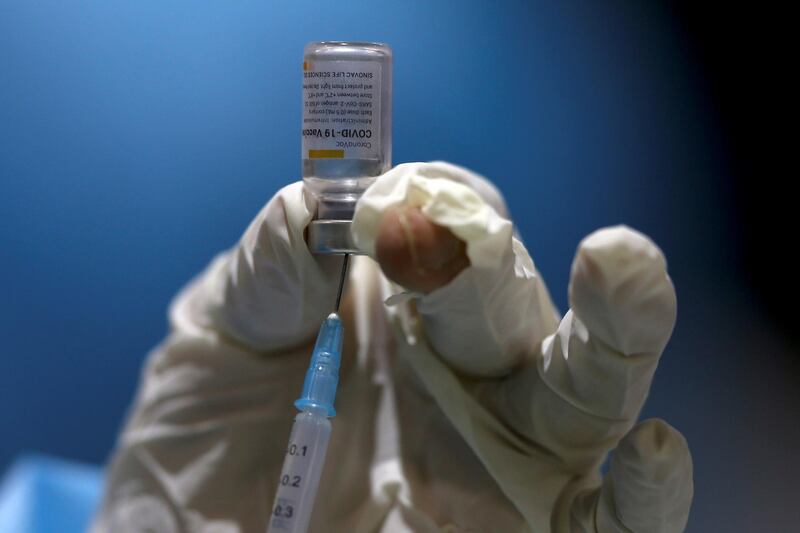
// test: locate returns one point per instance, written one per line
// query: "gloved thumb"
(268, 292)
(416, 253)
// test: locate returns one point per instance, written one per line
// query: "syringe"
(305, 454)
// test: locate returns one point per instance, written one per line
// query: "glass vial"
(347, 122)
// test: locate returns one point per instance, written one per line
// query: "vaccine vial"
(347, 127)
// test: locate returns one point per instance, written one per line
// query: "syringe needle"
(341, 282)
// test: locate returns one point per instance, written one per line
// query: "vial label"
(341, 109)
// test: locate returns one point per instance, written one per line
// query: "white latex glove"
(458, 409)
(540, 412)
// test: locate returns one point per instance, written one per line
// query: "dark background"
(139, 139)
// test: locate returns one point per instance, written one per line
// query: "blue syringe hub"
(322, 376)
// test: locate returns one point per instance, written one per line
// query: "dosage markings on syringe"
(294, 449)
(297, 451)
(293, 481)
(284, 511)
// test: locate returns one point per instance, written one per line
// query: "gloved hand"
(462, 406)
(540, 411)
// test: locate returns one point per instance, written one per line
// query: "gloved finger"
(484, 317)
(647, 489)
(268, 292)
(621, 290)
(416, 253)
(587, 389)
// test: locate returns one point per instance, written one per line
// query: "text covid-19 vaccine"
(347, 132)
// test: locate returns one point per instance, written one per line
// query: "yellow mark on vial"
(326, 154)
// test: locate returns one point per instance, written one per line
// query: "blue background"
(138, 139)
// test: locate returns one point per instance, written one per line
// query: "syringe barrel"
(302, 468)
(305, 454)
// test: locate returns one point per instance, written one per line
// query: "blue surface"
(40, 494)
(138, 139)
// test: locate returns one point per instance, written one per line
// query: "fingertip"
(610, 256)
(620, 289)
(651, 479)
(392, 251)
(619, 242)
(416, 253)
(654, 452)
